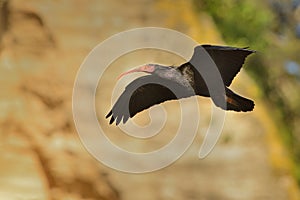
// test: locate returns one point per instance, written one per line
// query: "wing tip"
(223, 47)
(112, 119)
(117, 119)
(109, 114)
(249, 50)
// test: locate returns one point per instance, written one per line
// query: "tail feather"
(238, 103)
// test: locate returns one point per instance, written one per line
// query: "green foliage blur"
(269, 28)
(241, 23)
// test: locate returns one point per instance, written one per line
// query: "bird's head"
(148, 68)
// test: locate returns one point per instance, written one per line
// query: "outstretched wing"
(229, 60)
(143, 93)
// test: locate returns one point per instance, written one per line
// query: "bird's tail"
(238, 103)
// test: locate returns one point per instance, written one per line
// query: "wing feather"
(143, 93)
(229, 60)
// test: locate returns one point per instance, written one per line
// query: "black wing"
(143, 93)
(229, 60)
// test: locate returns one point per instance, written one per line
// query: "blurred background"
(42, 45)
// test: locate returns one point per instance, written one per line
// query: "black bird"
(168, 83)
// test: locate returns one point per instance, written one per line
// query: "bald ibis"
(169, 83)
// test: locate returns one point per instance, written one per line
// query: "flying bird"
(164, 83)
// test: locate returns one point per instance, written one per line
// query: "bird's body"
(169, 83)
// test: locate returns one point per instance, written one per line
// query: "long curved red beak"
(145, 68)
(128, 72)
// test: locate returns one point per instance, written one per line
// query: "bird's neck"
(172, 73)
